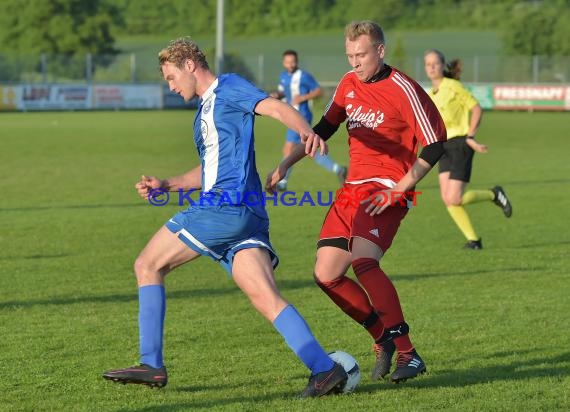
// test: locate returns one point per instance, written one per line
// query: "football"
(350, 366)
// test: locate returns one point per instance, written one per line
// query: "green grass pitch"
(491, 325)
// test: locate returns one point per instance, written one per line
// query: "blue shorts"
(221, 231)
(292, 136)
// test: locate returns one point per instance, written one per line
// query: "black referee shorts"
(457, 159)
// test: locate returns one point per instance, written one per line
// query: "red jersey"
(386, 120)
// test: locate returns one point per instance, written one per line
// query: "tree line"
(529, 26)
(68, 28)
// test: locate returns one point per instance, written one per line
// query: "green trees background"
(67, 30)
(64, 31)
(79, 26)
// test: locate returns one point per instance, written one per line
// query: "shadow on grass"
(505, 184)
(131, 297)
(518, 369)
(283, 284)
(54, 256)
(542, 244)
(65, 207)
(240, 403)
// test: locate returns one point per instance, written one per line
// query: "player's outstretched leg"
(252, 271)
(502, 200)
(141, 374)
(151, 370)
(327, 377)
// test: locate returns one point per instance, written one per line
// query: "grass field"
(491, 325)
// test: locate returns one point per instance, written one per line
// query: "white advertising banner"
(127, 96)
(55, 97)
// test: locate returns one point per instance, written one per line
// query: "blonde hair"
(180, 50)
(355, 29)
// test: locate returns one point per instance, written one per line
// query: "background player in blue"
(234, 234)
(299, 87)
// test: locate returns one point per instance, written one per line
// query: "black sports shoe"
(408, 366)
(474, 244)
(502, 200)
(384, 352)
(141, 374)
(326, 383)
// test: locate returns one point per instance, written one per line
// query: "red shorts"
(347, 217)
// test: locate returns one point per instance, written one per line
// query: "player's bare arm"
(429, 156)
(279, 172)
(475, 145)
(378, 203)
(189, 180)
(474, 122)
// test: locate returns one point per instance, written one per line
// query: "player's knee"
(145, 270)
(326, 284)
(322, 275)
(452, 199)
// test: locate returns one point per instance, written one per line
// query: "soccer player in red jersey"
(387, 115)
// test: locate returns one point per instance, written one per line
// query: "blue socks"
(152, 307)
(326, 162)
(291, 325)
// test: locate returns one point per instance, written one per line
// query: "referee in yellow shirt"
(461, 114)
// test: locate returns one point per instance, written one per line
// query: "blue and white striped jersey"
(296, 83)
(223, 133)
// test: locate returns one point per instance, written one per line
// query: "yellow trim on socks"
(461, 219)
(474, 196)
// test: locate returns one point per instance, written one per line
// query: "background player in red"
(388, 115)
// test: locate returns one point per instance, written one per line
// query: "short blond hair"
(180, 50)
(355, 29)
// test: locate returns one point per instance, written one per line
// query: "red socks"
(373, 303)
(383, 296)
(353, 300)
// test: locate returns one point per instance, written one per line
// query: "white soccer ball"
(350, 366)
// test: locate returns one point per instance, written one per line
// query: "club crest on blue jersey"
(204, 128)
(207, 106)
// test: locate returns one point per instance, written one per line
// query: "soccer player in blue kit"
(233, 233)
(298, 87)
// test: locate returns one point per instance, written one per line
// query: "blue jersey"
(223, 133)
(296, 83)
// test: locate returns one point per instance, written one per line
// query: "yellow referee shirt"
(454, 103)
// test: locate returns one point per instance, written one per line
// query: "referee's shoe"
(502, 200)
